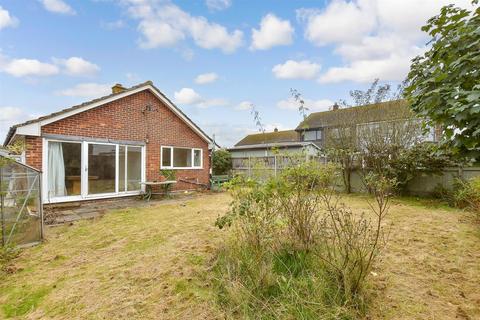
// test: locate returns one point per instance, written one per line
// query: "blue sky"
(214, 58)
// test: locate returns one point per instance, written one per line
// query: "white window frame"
(84, 195)
(172, 148)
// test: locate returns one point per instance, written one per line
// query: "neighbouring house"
(268, 147)
(107, 147)
(319, 127)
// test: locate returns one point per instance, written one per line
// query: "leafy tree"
(444, 82)
(221, 162)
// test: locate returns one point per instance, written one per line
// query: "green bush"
(467, 194)
(221, 162)
(294, 250)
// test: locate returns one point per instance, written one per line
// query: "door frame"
(84, 172)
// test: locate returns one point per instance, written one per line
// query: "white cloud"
(374, 38)
(57, 6)
(77, 66)
(163, 24)
(244, 105)
(27, 67)
(87, 90)
(206, 78)
(10, 116)
(340, 22)
(312, 105)
(218, 5)
(273, 32)
(7, 20)
(296, 70)
(188, 96)
(73, 66)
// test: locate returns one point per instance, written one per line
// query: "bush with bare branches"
(294, 242)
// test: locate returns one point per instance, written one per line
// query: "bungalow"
(107, 147)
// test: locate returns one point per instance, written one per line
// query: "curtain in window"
(56, 170)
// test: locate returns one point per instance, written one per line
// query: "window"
(312, 135)
(181, 158)
(64, 169)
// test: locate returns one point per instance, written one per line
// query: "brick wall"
(125, 119)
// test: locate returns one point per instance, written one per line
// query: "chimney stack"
(335, 106)
(117, 88)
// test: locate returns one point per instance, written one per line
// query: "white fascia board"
(34, 129)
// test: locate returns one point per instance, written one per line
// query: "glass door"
(130, 168)
(102, 161)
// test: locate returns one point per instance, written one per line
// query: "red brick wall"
(33, 151)
(123, 119)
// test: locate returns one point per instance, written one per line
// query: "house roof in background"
(288, 144)
(269, 137)
(383, 111)
(148, 85)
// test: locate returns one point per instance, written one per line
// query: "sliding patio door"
(130, 168)
(101, 168)
(87, 170)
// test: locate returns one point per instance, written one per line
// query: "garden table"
(149, 184)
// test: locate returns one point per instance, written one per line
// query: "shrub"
(295, 251)
(467, 194)
(221, 162)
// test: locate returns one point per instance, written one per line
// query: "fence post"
(249, 167)
(275, 164)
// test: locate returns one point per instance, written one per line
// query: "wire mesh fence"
(21, 216)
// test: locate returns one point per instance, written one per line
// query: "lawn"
(154, 262)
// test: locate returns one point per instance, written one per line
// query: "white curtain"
(56, 170)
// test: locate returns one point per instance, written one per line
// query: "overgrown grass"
(288, 284)
(157, 263)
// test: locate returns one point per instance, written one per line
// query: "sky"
(214, 58)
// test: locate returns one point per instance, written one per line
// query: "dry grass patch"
(153, 263)
(134, 263)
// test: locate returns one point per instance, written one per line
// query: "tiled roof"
(269, 137)
(126, 90)
(288, 144)
(383, 111)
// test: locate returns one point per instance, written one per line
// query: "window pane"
(197, 158)
(310, 135)
(121, 171)
(101, 168)
(134, 168)
(166, 157)
(64, 169)
(182, 157)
